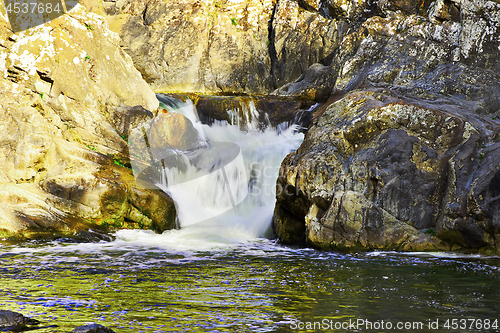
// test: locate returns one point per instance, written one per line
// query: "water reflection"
(254, 287)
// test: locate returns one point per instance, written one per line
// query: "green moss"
(117, 224)
(430, 231)
(92, 148)
(120, 164)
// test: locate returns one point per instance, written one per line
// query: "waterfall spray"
(226, 180)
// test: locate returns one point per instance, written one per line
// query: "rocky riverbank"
(405, 155)
(67, 91)
(402, 155)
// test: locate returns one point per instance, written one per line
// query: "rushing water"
(219, 275)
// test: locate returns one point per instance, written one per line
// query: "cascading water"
(224, 189)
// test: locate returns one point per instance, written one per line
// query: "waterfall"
(228, 181)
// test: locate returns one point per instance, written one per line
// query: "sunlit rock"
(62, 152)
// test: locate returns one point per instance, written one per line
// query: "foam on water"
(235, 203)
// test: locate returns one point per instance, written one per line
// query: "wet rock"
(362, 182)
(92, 328)
(379, 170)
(263, 111)
(125, 118)
(172, 131)
(14, 321)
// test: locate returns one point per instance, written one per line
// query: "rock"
(14, 321)
(194, 46)
(63, 161)
(381, 171)
(172, 131)
(352, 10)
(125, 118)
(248, 47)
(92, 328)
(480, 35)
(364, 178)
(407, 7)
(266, 110)
(299, 39)
(316, 83)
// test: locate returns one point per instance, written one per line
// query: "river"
(223, 275)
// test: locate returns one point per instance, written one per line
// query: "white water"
(233, 201)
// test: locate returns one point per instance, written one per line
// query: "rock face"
(405, 153)
(223, 46)
(190, 45)
(302, 48)
(380, 171)
(67, 91)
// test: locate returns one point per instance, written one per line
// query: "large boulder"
(404, 154)
(172, 131)
(16, 322)
(382, 171)
(63, 162)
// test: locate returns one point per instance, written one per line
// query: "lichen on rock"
(62, 157)
(378, 172)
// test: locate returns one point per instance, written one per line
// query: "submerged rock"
(92, 328)
(261, 112)
(14, 321)
(172, 131)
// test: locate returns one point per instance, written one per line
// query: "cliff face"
(66, 92)
(405, 154)
(222, 46)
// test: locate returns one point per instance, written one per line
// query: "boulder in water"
(382, 171)
(172, 131)
(92, 328)
(14, 321)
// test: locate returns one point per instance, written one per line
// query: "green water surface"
(253, 287)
